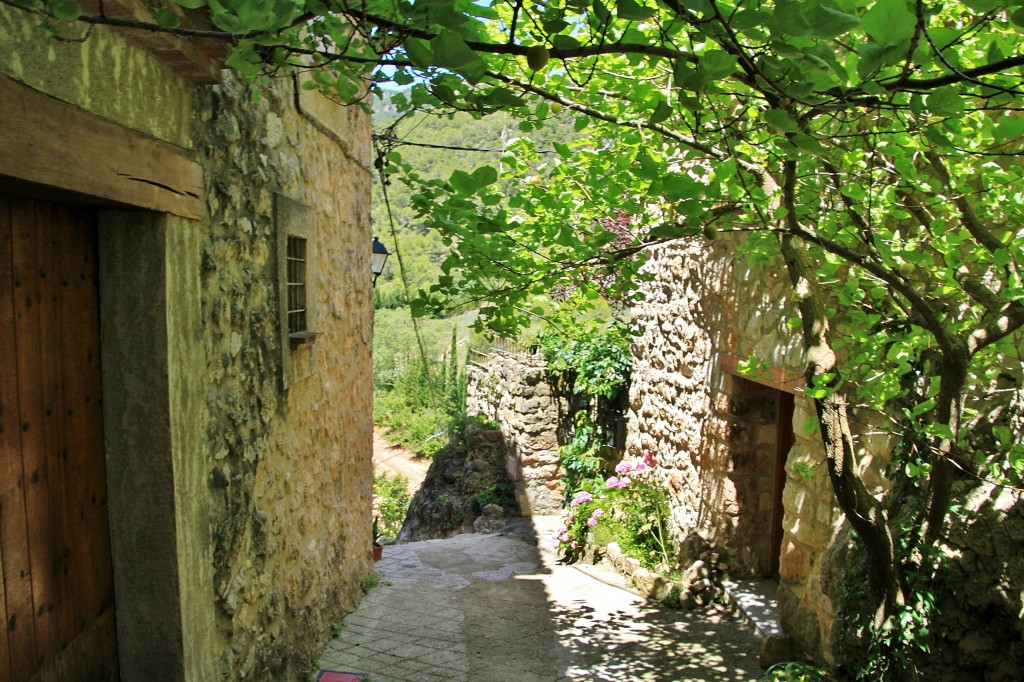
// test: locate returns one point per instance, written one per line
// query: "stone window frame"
(294, 220)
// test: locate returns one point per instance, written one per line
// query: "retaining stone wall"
(514, 391)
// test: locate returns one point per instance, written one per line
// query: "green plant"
(369, 581)
(794, 671)
(391, 497)
(413, 398)
(500, 494)
(593, 356)
(335, 629)
(630, 507)
(583, 460)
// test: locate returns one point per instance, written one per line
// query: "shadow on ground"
(492, 608)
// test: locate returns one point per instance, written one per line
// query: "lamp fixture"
(378, 257)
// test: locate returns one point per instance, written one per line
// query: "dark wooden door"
(784, 443)
(57, 602)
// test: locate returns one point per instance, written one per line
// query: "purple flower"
(616, 482)
(581, 497)
(591, 522)
(623, 467)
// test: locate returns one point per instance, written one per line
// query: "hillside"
(436, 145)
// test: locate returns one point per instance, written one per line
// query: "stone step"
(756, 601)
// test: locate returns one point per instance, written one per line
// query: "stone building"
(185, 339)
(744, 464)
(738, 453)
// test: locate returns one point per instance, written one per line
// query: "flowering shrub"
(632, 506)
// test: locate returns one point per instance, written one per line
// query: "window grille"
(296, 284)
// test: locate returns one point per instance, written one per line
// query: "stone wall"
(289, 468)
(513, 390)
(240, 497)
(719, 436)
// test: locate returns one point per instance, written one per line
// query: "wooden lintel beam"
(779, 378)
(197, 60)
(46, 141)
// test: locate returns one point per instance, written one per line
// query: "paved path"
(492, 608)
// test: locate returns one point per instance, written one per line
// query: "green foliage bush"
(595, 357)
(630, 508)
(416, 401)
(500, 494)
(391, 495)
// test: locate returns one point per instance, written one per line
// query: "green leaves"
(890, 22)
(945, 101)
(780, 121)
(65, 10)
(451, 51)
(166, 17)
(631, 11)
(469, 184)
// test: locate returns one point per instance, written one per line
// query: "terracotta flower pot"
(378, 551)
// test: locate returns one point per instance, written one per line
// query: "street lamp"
(378, 257)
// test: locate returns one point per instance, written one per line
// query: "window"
(296, 282)
(296, 285)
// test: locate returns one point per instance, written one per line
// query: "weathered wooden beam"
(779, 378)
(46, 141)
(196, 60)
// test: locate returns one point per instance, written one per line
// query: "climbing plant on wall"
(590, 362)
(874, 148)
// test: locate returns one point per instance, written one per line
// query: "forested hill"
(436, 145)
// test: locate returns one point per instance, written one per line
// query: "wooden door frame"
(153, 361)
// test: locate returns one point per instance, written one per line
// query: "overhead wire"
(384, 182)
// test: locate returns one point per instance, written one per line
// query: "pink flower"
(598, 513)
(591, 522)
(574, 544)
(623, 467)
(649, 459)
(616, 482)
(581, 497)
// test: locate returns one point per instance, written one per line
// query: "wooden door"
(784, 443)
(57, 600)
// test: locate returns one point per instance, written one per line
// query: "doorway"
(55, 552)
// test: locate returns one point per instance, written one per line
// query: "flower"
(591, 522)
(616, 482)
(623, 467)
(598, 513)
(649, 459)
(581, 497)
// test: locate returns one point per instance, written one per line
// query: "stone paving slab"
(491, 608)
